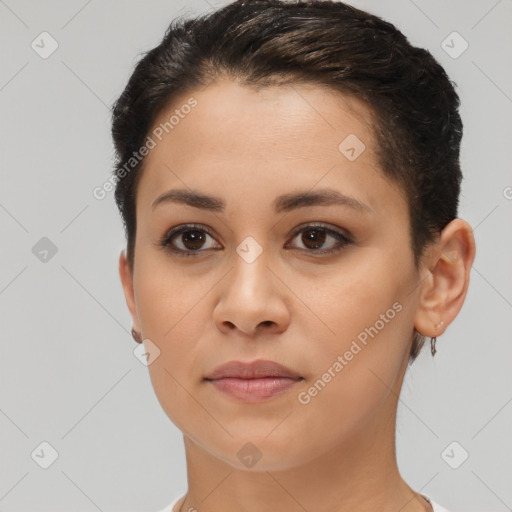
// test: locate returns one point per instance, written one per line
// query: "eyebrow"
(282, 203)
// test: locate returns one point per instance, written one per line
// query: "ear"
(126, 276)
(445, 280)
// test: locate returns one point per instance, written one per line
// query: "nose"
(253, 300)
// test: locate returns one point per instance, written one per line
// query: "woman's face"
(261, 284)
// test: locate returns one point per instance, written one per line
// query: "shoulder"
(435, 506)
(169, 508)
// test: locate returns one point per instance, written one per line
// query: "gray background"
(68, 375)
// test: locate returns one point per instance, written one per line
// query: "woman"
(288, 176)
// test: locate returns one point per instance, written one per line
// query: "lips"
(258, 369)
(252, 382)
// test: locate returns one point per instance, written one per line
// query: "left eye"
(313, 237)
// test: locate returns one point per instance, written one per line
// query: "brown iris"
(193, 237)
(315, 236)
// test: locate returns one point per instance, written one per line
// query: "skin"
(291, 305)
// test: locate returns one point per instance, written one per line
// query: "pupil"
(317, 237)
(195, 238)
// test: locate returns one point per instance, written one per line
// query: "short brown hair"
(271, 42)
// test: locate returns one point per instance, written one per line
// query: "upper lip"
(252, 370)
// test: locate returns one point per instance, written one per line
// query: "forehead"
(267, 139)
(284, 121)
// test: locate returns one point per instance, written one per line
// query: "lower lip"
(254, 390)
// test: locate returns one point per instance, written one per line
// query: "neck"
(360, 474)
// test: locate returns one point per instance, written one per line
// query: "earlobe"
(444, 289)
(126, 277)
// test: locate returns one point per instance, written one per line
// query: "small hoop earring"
(433, 346)
(434, 339)
(136, 336)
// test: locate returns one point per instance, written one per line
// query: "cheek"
(172, 314)
(165, 296)
(366, 320)
(173, 311)
(354, 297)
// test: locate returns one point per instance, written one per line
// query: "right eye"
(190, 237)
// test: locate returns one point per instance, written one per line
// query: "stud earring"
(434, 339)
(136, 336)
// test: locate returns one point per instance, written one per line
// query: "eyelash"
(166, 241)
